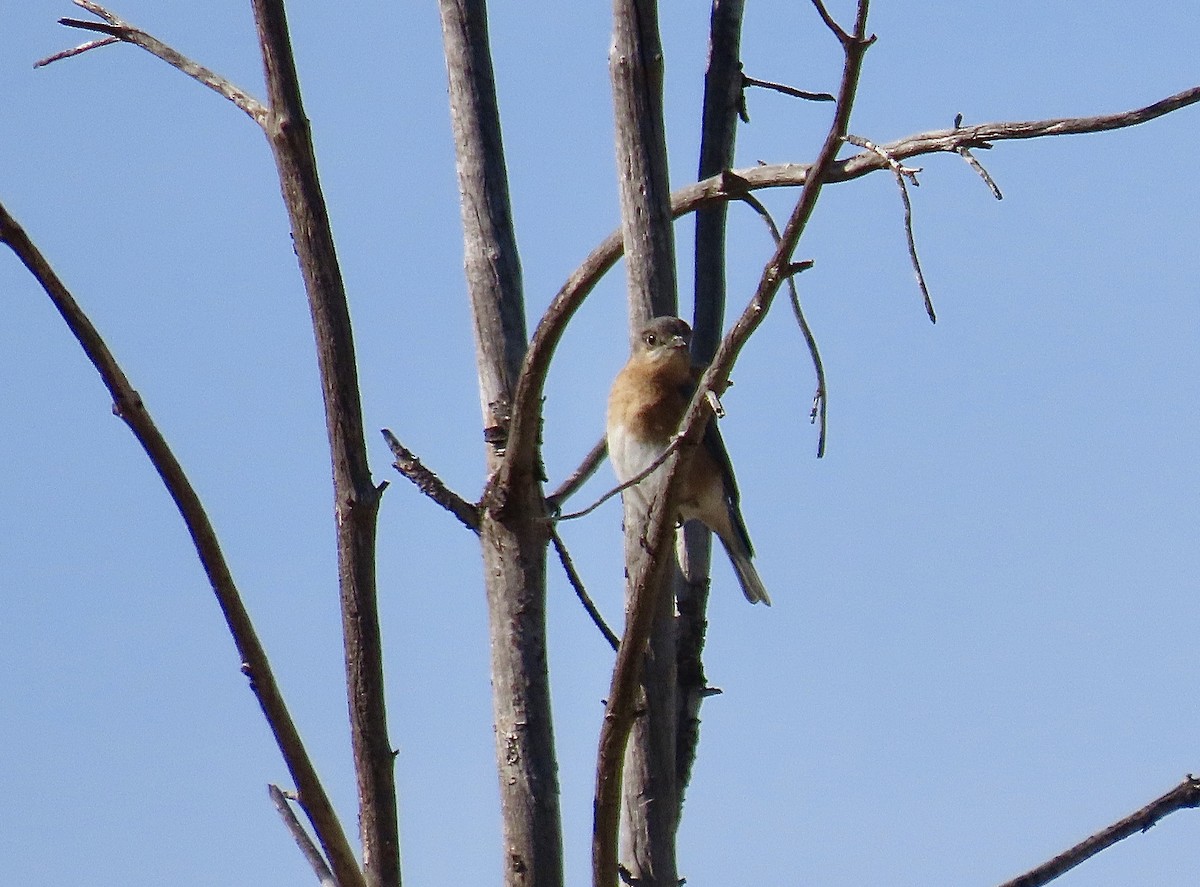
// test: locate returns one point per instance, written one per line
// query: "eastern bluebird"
(646, 404)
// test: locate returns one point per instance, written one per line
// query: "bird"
(647, 402)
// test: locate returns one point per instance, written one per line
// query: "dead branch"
(731, 185)
(1183, 796)
(123, 32)
(973, 162)
(576, 581)
(649, 570)
(128, 406)
(818, 412)
(307, 848)
(786, 90)
(513, 532)
(579, 476)
(430, 484)
(903, 173)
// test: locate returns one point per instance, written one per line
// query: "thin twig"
(309, 850)
(128, 406)
(620, 488)
(77, 50)
(430, 484)
(580, 475)
(576, 581)
(902, 173)
(121, 31)
(817, 414)
(1183, 796)
(787, 90)
(965, 154)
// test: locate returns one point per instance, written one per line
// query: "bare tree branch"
(576, 581)
(820, 402)
(787, 90)
(580, 475)
(1183, 796)
(731, 185)
(513, 530)
(431, 485)
(974, 163)
(902, 173)
(723, 104)
(356, 498)
(307, 848)
(647, 573)
(121, 31)
(128, 406)
(649, 815)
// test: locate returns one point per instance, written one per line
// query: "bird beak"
(678, 342)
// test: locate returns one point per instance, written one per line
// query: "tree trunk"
(513, 533)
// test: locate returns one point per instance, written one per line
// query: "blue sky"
(982, 648)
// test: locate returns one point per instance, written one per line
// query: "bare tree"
(649, 734)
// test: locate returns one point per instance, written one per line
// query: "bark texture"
(512, 529)
(356, 499)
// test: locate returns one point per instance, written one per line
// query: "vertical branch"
(635, 66)
(718, 134)
(356, 499)
(646, 572)
(649, 815)
(513, 532)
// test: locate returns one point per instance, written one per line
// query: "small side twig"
(820, 400)
(1184, 795)
(280, 799)
(576, 581)
(75, 50)
(787, 90)
(965, 153)
(430, 484)
(119, 31)
(579, 476)
(636, 479)
(902, 173)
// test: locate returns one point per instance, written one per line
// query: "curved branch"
(732, 184)
(128, 406)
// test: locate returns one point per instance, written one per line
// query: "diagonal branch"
(128, 406)
(431, 485)
(307, 848)
(576, 581)
(648, 571)
(731, 185)
(1183, 796)
(121, 31)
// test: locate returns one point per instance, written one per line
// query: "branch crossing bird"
(645, 406)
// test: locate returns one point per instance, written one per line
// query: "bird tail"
(752, 584)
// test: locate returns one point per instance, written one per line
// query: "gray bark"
(512, 531)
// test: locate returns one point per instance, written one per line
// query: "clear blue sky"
(983, 644)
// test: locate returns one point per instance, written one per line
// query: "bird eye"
(651, 339)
